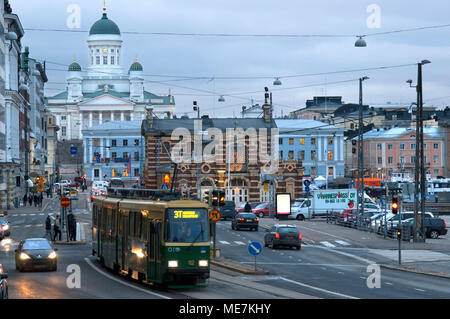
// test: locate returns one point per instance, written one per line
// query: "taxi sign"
(65, 202)
(73, 192)
(214, 215)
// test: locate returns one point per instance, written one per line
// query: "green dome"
(104, 26)
(74, 67)
(136, 66)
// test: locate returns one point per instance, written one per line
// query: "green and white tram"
(160, 240)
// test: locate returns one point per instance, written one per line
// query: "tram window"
(113, 223)
(108, 220)
(120, 222)
(103, 220)
(152, 240)
(137, 229)
(144, 229)
(131, 224)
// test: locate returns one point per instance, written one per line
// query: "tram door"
(153, 253)
(121, 239)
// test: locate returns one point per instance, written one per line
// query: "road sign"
(165, 186)
(214, 215)
(73, 150)
(255, 248)
(65, 202)
(306, 182)
(73, 192)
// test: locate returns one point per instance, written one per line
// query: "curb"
(237, 266)
(69, 243)
(416, 271)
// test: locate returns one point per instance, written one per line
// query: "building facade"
(319, 146)
(114, 149)
(239, 171)
(106, 92)
(388, 151)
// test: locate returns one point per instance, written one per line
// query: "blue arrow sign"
(306, 182)
(255, 248)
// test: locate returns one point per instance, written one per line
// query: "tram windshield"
(186, 225)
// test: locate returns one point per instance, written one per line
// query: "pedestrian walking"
(48, 192)
(70, 221)
(30, 200)
(25, 198)
(74, 229)
(56, 228)
(35, 200)
(41, 199)
(48, 227)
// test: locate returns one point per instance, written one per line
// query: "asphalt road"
(317, 270)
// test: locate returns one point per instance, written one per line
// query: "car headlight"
(203, 263)
(52, 255)
(5, 227)
(173, 263)
(24, 256)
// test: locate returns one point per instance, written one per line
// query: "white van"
(99, 185)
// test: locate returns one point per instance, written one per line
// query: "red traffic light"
(394, 205)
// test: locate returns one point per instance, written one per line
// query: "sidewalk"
(33, 209)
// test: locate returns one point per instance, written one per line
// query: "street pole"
(422, 166)
(360, 151)
(400, 208)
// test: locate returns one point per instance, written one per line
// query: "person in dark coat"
(56, 228)
(74, 229)
(248, 208)
(48, 227)
(41, 199)
(70, 222)
(35, 200)
(30, 200)
(25, 198)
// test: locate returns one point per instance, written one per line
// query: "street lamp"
(361, 150)
(360, 43)
(419, 164)
(196, 108)
(277, 81)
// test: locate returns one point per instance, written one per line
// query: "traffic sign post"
(214, 216)
(255, 248)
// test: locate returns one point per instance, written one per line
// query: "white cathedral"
(106, 93)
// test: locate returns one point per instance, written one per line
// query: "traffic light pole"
(399, 233)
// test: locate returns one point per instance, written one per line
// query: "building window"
(291, 141)
(380, 160)
(436, 172)
(96, 143)
(402, 146)
(136, 172)
(112, 60)
(115, 172)
(301, 155)
(280, 141)
(136, 156)
(331, 171)
(63, 118)
(390, 159)
(352, 126)
(330, 141)
(96, 173)
(389, 146)
(436, 146)
(330, 155)
(136, 142)
(413, 159)
(281, 155)
(313, 141)
(63, 130)
(113, 142)
(436, 159)
(313, 155)
(125, 143)
(424, 146)
(97, 60)
(113, 155)
(402, 159)
(105, 60)
(313, 171)
(302, 141)
(291, 155)
(379, 147)
(125, 172)
(125, 156)
(413, 146)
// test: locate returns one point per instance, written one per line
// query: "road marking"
(318, 289)
(224, 242)
(344, 243)
(32, 214)
(418, 289)
(389, 283)
(328, 244)
(27, 226)
(123, 282)
(239, 243)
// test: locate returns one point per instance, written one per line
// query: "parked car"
(392, 220)
(297, 212)
(3, 283)
(262, 210)
(434, 226)
(245, 220)
(35, 253)
(241, 207)
(4, 226)
(283, 235)
(228, 210)
(99, 185)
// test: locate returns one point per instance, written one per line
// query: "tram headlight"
(173, 263)
(203, 263)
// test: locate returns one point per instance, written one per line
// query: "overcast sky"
(256, 57)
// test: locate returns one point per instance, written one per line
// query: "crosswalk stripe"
(239, 243)
(224, 242)
(342, 242)
(327, 244)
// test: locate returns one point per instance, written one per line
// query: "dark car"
(35, 253)
(241, 207)
(283, 235)
(228, 210)
(116, 182)
(434, 227)
(3, 284)
(4, 225)
(245, 220)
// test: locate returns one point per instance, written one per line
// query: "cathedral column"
(131, 116)
(81, 124)
(101, 147)
(90, 119)
(100, 117)
(112, 116)
(121, 116)
(69, 127)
